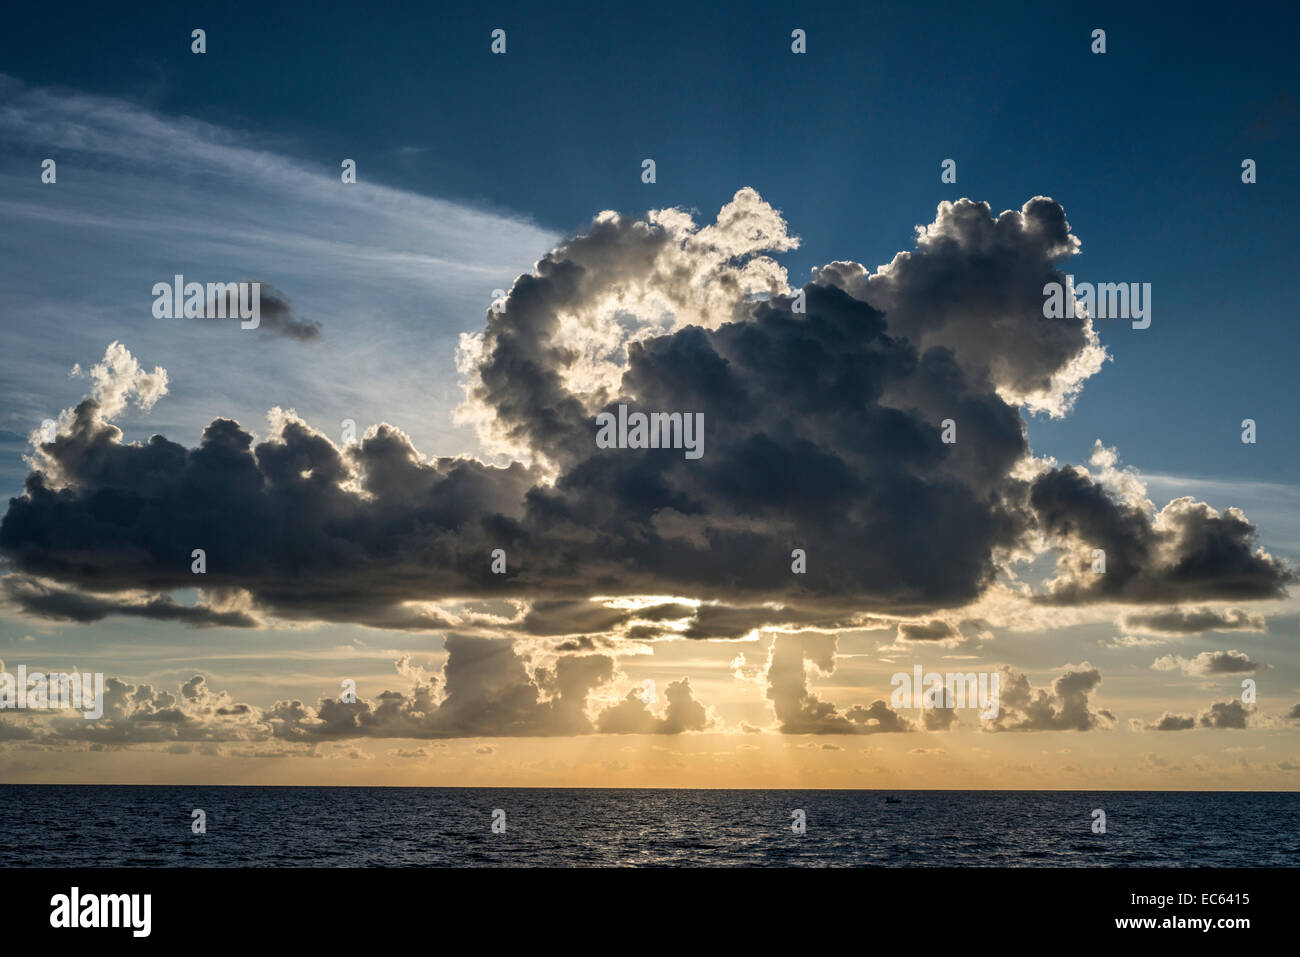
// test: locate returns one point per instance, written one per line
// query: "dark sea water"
(51, 825)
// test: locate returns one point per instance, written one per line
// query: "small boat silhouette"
(890, 799)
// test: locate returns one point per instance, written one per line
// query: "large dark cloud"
(823, 411)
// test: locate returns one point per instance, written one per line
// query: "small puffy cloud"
(276, 315)
(1231, 714)
(632, 715)
(1067, 707)
(1226, 714)
(1172, 722)
(1208, 663)
(119, 379)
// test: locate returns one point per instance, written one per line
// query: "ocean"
(150, 826)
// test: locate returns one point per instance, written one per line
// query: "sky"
(439, 336)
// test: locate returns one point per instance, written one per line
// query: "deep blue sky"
(1142, 145)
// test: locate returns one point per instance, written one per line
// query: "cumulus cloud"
(972, 288)
(1208, 663)
(799, 711)
(632, 715)
(822, 405)
(142, 714)
(1067, 707)
(1231, 714)
(1187, 551)
(1173, 722)
(119, 379)
(487, 688)
(941, 717)
(1226, 714)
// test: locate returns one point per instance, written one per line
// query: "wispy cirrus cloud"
(381, 280)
